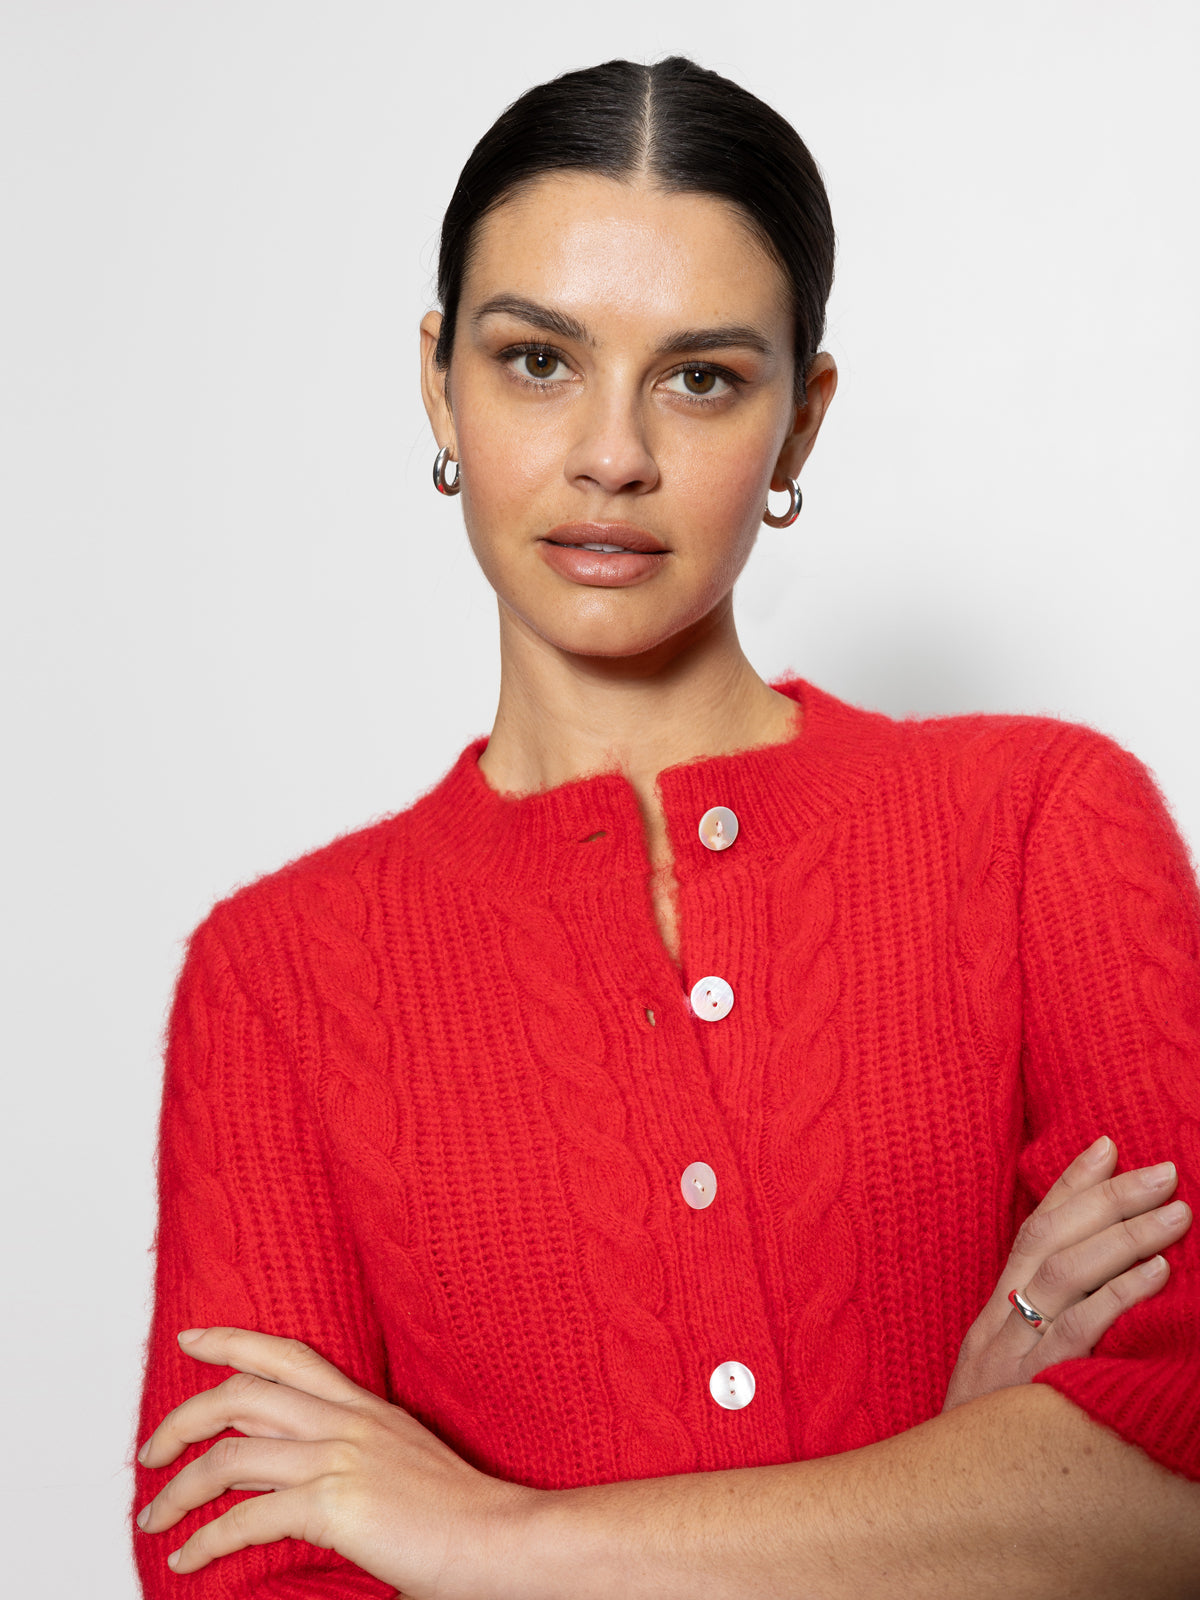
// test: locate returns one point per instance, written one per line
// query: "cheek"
(506, 456)
(724, 486)
(738, 483)
(509, 469)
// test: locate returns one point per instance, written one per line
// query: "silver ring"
(1034, 1317)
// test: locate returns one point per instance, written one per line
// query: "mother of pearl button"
(718, 828)
(712, 999)
(699, 1185)
(732, 1385)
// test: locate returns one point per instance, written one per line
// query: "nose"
(611, 450)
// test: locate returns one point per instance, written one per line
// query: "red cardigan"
(431, 1093)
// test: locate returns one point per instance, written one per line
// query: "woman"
(633, 1130)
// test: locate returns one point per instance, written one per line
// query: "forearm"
(1017, 1493)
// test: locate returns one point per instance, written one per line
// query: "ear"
(820, 388)
(433, 384)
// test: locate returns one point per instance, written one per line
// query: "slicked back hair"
(683, 128)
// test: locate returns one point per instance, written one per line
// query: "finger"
(1064, 1277)
(1084, 1214)
(278, 1360)
(1069, 1275)
(246, 1402)
(1080, 1328)
(263, 1520)
(1089, 1168)
(233, 1464)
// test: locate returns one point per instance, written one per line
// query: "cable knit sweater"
(430, 1093)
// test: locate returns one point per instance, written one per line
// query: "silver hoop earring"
(441, 482)
(795, 501)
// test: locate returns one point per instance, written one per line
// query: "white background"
(238, 621)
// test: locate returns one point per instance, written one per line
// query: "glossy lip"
(640, 556)
(622, 533)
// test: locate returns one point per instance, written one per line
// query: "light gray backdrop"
(238, 621)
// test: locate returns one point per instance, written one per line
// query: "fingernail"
(173, 1559)
(1176, 1212)
(144, 1452)
(143, 1516)
(1099, 1151)
(1154, 1268)
(1158, 1177)
(190, 1335)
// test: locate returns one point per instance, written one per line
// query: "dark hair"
(688, 129)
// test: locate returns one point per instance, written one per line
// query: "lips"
(602, 555)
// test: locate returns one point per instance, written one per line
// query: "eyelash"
(508, 355)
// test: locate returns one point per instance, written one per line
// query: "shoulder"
(337, 891)
(1040, 770)
(1035, 758)
(1041, 749)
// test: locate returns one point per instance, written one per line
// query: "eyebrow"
(512, 305)
(727, 336)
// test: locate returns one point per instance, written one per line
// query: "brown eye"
(700, 382)
(540, 364)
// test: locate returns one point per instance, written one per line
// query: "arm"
(247, 1231)
(1018, 1493)
(341, 1461)
(1110, 931)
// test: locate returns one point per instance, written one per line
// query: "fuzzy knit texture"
(430, 1091)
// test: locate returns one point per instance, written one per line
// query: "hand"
(351, 1472)
(1081, 1259)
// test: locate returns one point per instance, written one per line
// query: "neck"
(562, 717)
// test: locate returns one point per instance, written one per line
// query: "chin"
(608, 649)
(611, 637)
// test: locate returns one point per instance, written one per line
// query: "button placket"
(731, 1384)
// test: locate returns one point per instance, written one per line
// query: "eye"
(542, 366)
(705, 383)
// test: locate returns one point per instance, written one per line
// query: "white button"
(712, 999)
(699, 1185)
(732, 1385)
(718, 828)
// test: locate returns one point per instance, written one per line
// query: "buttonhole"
(650, 1017)
(592, 837)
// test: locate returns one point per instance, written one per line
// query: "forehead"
(605, 249)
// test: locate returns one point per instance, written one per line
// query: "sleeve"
(248, 1236)
(1110, 956)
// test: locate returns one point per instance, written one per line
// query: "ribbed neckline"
(549, 839)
